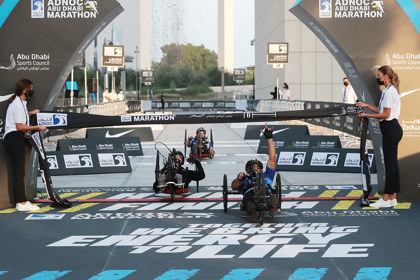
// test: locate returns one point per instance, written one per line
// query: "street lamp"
(137, 79)
(252, 68)
(253, 73)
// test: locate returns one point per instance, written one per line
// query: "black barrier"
(348, 124)
(322, 160)
(300, 142)
(73, 120)
(92, 162)
(131, 145)
(144, 133)
(254, 131)
(197, 105)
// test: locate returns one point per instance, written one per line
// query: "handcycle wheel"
(172, 187)
(225, 193)
(157, 168)
(278, 189)
(211, 141)
(201, 147)
(185, 143)
(262, 214)
(260, 196)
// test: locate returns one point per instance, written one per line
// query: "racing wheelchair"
(262, 193)
(201, 147)
(167, 179)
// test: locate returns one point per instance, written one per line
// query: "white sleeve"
(18, 113)
(388, 100)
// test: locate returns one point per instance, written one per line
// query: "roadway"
(123, 230)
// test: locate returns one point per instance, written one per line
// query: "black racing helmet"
(175, 152)
(200, 129)
(250, 163)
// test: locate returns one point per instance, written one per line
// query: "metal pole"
(277, 84)
(97, 87)
(223, 83)
(71, 88)
(137, 79)
(86, 89)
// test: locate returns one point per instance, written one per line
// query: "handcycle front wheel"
(278, 189)
(225, 193)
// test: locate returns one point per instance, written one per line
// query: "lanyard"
(383, 95)
(26, 111)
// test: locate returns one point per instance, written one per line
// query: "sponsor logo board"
(52, 162)
(112, 160)
(78, 161)
(45, 217)
(291, 158)
(324, 159)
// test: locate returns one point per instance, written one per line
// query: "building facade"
(312, 73)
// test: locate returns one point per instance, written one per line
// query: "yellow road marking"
(328, 193)
(87, 196)
(78, 207)
(63, 195)
(406, 205)
(355, 193)
(42, 209)
(343, 205)
(9, 210)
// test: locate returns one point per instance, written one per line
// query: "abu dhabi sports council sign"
(277, 53)
(113, 56)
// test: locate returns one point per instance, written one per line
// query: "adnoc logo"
(64, 9)
(51, 119)
(325, 9)
(37, 8)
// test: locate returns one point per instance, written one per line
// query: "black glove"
(268, 133)
(192, 160)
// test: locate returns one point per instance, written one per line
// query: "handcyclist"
(206, 145)
(243, 181)
(182, 175)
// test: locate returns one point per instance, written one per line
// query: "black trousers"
(391, 136)
(15, 145)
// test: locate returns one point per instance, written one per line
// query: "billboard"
(40, 49)
(363, 35)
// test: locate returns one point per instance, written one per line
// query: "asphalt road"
(122, 230)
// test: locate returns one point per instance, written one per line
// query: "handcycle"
(201, 147)
(166, 179)
(262, 193)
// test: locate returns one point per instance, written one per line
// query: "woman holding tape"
(388, 113)
(17, 126)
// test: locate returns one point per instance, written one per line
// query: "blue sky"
(183, 21)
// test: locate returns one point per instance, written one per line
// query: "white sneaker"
(380, 203)
(394, 202)
(28, 206)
